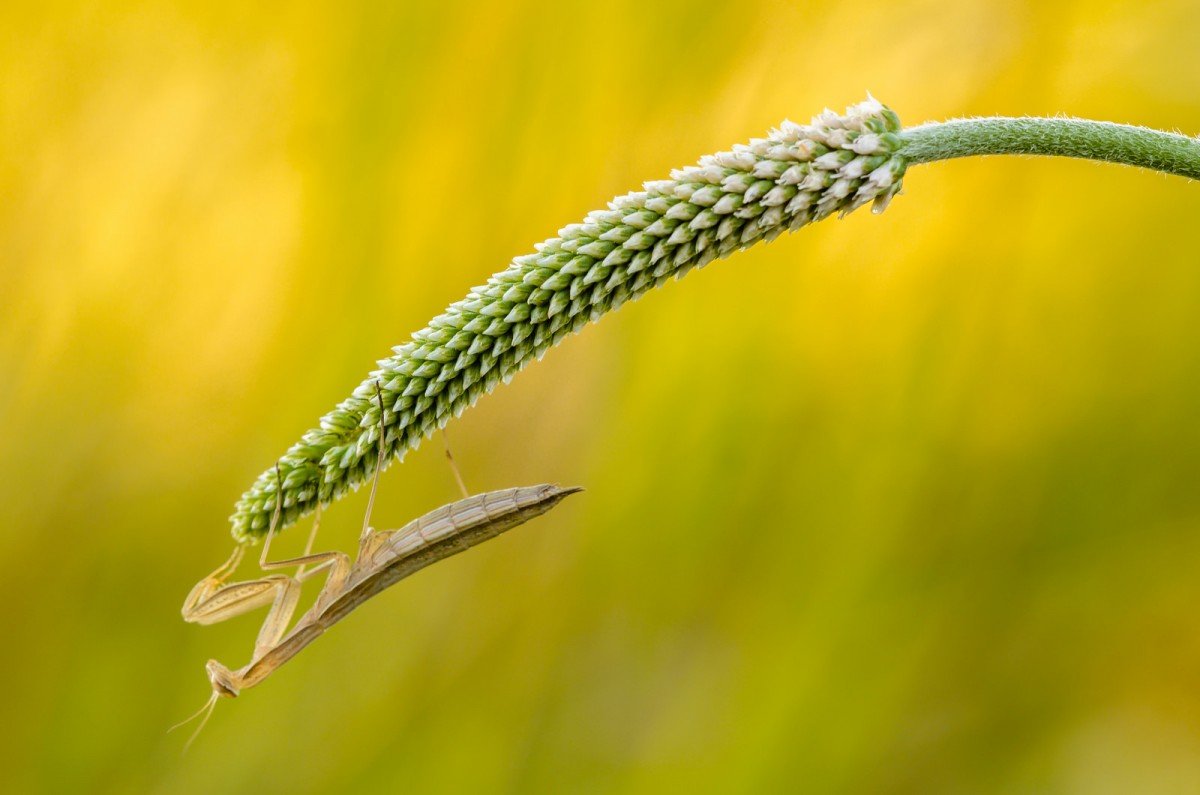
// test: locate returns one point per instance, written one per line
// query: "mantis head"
(223, 680)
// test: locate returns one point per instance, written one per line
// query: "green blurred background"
(903, 503)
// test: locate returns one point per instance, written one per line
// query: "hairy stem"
(1092, 140)
(797, 175)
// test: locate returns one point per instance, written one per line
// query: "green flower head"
(728, 201)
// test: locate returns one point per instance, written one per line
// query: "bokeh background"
(903, 503)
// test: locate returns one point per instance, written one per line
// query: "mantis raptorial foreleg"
(213, 601)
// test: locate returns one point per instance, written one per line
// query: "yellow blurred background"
(903, 503)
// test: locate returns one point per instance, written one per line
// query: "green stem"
(1092, 140)
(727, 202)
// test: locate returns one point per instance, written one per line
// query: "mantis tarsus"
(384, 558)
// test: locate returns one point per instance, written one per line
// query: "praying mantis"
(384, 558)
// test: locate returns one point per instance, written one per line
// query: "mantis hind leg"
(458, 478)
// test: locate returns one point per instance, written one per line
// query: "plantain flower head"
(728, 201)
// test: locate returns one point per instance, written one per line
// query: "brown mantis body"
(384, 558)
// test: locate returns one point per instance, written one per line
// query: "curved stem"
(1092, 140)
